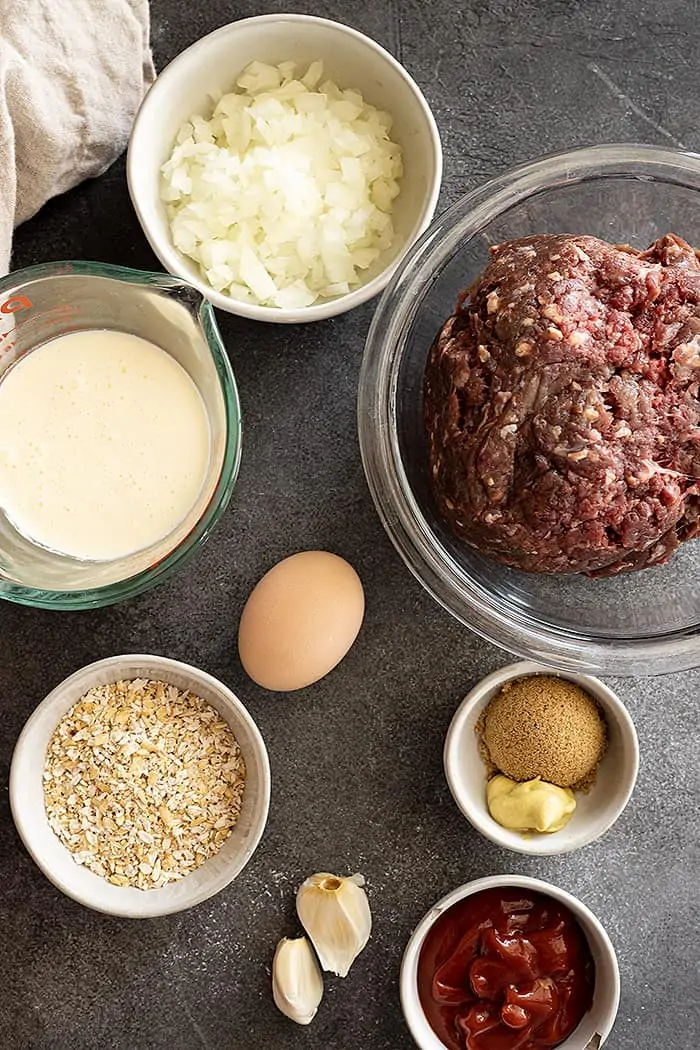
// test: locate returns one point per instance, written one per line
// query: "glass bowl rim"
(111, 593)
(469, 602)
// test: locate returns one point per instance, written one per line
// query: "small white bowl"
(595, 812)
(56, 862)
(350, 59)
(599, 1020)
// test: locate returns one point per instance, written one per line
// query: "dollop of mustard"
(530, 805)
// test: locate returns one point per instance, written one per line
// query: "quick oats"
(143, 782)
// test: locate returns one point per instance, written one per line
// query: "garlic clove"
(335, 913)
(297, 984)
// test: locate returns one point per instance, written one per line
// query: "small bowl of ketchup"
(509, 963)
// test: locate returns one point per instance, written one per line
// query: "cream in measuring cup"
(104, 444)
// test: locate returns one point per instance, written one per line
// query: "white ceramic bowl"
(27, 796)
(350, 59)
(595, 811)
(598, 1020)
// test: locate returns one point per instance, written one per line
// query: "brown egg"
(300, 620)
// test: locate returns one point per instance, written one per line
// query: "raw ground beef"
(562, 405)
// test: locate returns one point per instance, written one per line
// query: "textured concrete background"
(356, 760)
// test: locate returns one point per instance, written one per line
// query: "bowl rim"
(415, 1018)
(481, 693)
(25, 818)
(411, 535)
(120, 590)
(168, 254)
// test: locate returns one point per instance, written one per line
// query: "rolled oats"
(143, 782)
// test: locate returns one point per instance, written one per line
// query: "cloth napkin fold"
(72, 75)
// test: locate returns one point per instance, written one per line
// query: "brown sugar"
(544, 726)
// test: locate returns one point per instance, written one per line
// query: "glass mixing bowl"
(640, 623)
(43, 302)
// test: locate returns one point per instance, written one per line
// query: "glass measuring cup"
(46, 301)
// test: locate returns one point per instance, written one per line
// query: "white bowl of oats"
(140, 786)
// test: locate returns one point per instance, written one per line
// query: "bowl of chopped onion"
(283, 165)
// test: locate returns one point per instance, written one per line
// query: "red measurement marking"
(57, 315)
(15, 303)
(56, 269)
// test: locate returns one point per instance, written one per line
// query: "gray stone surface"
(356, 759)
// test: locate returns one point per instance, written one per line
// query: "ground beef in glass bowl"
(614, 621)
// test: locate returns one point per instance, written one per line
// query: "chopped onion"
(284, 196)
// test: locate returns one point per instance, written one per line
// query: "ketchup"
(505, 969)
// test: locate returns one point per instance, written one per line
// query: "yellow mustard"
(530, 805)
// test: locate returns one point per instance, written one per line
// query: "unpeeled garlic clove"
(297, 984)
(335, 913)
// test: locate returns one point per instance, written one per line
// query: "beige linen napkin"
(72, 75)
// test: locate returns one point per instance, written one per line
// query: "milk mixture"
(104, 444)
